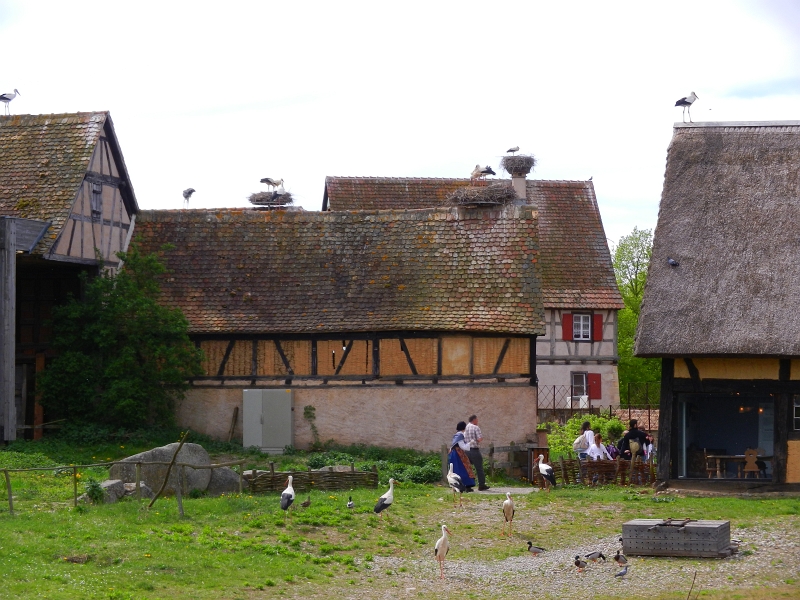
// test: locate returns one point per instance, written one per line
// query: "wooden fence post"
(445, 464)
(169, 468)
(8, 489)
(179, 490)
(272, 469)
(491, 459)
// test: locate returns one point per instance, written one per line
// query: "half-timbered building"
(723, 314)
(577, 355)
(66, 173)
(393, 325)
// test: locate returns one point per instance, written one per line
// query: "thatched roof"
(730, 212)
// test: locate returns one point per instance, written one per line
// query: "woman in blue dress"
(458, 456)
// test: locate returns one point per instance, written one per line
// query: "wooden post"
(138, 481)
(8, 489)
(491, 459)
(75, 485)
(563, 470)
(272, 469)
(183, 483)
(38, 409)
(352, 467)
(178, 490)
(665, 415)
(445, 464)
(8, 298)
(241, 469)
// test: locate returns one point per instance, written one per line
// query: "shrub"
(561, 437)
(95, 491)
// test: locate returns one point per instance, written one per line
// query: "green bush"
(561, 437)
(95, 492)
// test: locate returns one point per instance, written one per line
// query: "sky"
(218, 96)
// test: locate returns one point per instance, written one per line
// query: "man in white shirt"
(473, 436)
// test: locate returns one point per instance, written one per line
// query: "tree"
(631, 259)
(123, 359)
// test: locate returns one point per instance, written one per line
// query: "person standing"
(633, 441)
(474, 436)
(459, 459)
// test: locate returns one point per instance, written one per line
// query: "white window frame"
(579, 389)
(581, 327)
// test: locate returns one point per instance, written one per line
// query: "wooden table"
(722, 459)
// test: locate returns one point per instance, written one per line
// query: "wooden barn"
(385, 327)
(723, 315)
(66, 206)
(577, 355)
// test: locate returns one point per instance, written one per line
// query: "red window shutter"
(597, 328)
(595, 389)
(566, 327)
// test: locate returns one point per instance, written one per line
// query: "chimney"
(518, 166)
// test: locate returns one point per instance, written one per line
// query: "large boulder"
(225, 481)
(114, 489)
(153, 475)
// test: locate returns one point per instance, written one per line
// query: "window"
(579, 384)
(582, 327)
(97, 201)
(797, 412)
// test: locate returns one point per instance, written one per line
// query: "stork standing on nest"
(480, 172)
(8, 97)
(513, 150)
(273, 183)
(187, 193)
(686, 102)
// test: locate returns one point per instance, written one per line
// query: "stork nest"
(493, 194)
(518, 164)
(271, 199)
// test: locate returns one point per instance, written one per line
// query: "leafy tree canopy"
(631, 260)
(123, 359)
(560, 437)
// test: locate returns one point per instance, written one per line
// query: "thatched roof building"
(730, 203)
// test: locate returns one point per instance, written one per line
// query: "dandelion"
(123, 447)
(147, 555)
(77, 476)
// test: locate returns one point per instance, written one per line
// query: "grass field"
(242, 546)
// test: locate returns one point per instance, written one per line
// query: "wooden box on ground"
(677, 537)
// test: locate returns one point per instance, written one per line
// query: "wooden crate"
(677, 537)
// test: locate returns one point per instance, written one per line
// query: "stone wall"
(421, 417)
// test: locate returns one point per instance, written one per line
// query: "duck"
(534, 549)
(581, 564)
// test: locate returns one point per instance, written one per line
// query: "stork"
(287, 497)
(456, 485)
(187, 193)
(513, 150)
(441, 549)
(508, 514)
(480, 172)
(8, 97)
(534, 549)
(686, 102)
(546, 472)
(385, 501)
(272, 182)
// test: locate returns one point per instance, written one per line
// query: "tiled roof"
(576, 263)
(43, 159)
(249, 271)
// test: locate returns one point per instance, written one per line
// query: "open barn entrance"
(715, 432)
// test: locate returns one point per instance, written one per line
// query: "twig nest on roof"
(271, 199)
(493, 194)
(518, 164)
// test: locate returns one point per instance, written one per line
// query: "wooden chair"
(710, 463)
(750, 466)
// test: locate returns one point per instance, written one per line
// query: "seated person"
(597, 451)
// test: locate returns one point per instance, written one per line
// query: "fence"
(303, 481)
(558, 403)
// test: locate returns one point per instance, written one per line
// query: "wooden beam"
(254, 362)
(694, 374)
(667, 406)
(411, 366)
(376, 357)
(347, 349)
(110, 180)
(534, 379)
(314, 364)
(106, 222)
(8, 298)
(285, 360)
(502, 355)
(783, 423)
(225, 358)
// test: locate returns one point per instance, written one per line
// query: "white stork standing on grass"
(287, 497)
(686, 102)
(441, 549)
(385, 501)
(456, 485)
(508, 514)
(547, 472)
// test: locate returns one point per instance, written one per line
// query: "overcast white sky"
(216, 96)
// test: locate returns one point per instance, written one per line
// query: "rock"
(337, 468)
(114, 489)
(153, 475)
(130, 490)
(225, 481)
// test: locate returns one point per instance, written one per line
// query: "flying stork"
(686, 102)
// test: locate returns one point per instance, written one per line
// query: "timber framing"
(217, 368)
